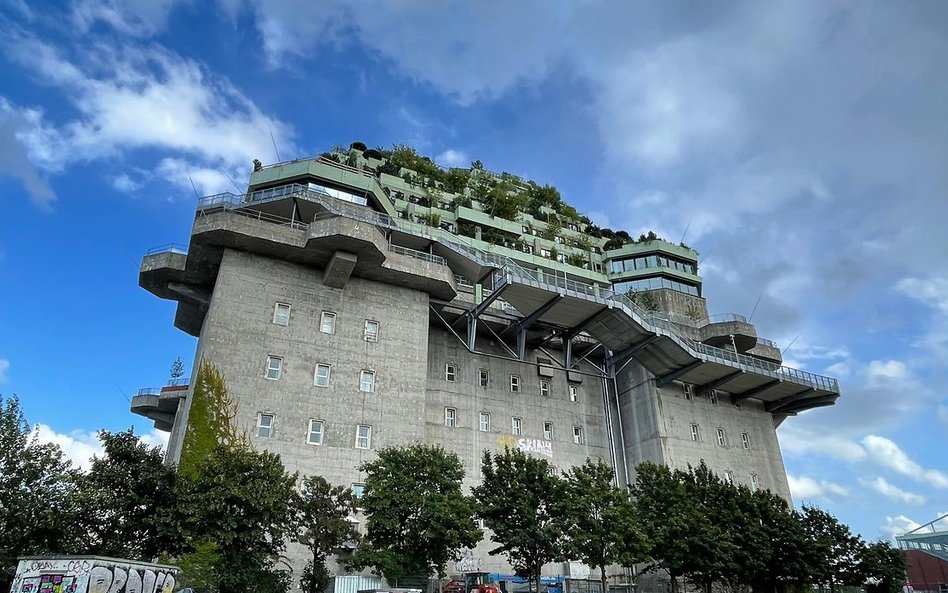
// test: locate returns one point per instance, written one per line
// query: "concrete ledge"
(339, 269)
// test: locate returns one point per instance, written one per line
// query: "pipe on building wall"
(610, 430)
(615, 390)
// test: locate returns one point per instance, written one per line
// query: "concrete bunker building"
(364, 299)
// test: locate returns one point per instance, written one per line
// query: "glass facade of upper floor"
(654, 284)
(275, 192)
(628, 264)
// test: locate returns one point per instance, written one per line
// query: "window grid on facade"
(695, 433)
(321, 375)
(314, 435)
(371, 331)
(450, 417)
(358, 490)
(450, 372)
(484, 377)
(721, 440)
(516, 426)
(515, 383)
(281, 314)
(363, 436)
(367, 381)
(573, 393)
(548, 431)
(265, 426)
(274, 367)
(745, 441)
(327, 322)
(578, 435)
(545, 388)
(485, 422)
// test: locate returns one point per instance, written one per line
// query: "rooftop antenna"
(279, 160)
(751, 318)
(687, 226)
(784, 351)
(194, 189)
(237, 187)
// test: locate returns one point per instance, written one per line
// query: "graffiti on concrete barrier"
(81, 575)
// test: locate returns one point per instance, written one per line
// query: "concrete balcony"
(728, 331)
(160, 404)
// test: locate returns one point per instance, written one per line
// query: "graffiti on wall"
(535, 446)
(468, 561)
(79, 575)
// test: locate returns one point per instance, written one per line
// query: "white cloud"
(125, 184)
(882, 372)
(797, 439)
(20, 131)
(80, 446)
(900, 525)
(193, 116)
(933, 291)
(804, 488)
(886, 453)
(140, 18)
(452, 158)
(895, 493)
(4, 367)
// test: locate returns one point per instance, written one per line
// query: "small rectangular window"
(367, 381)
(578, 435)
(274, 367)
(516, 426)
(358, 490)
(713, 397)
(321, 376)
(745, 441)
(755, 483)
(327, 322)
(689, 391)
(573, 393)
(315, 434)
(484, 377)
(485, 422)
(450, 372)
(728, 476)
(371, 332)
(515, 383)
(695, 434)
(450, 417)
(545, 388)
(548, 431)
(281, 314)
(363, 436)
(265, 426)
(721, 439)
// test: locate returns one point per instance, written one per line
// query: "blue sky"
(802, 145)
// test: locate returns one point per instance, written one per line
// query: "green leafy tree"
(177, 369)
(522, 503)
(882, 568)
(39, 505)
(211, 420)
(603, 529)
(771, 543)
(323, 512)
(239, 506)
(713, 555)
(417, 518)
(833, 551)
(130, 500)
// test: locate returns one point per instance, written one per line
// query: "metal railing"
(179, 382)
(149, 391)
(168, 248)
(727, 317)
(651, 321)
(766, 342)
(428, 257)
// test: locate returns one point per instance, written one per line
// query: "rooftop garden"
(503, 195)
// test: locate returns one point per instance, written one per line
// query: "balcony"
(160, 404)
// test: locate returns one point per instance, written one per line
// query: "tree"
(211, 420)
(38, 493)
(603, 528)
(521, 502)
(239, 506)
(832, 550)
(177, 370)
(417, 518)
(130, 500)
(323, 512)
(882, 568)
(771, 543)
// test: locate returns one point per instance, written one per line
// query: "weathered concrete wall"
(91, 574)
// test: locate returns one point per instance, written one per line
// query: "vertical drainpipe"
(615, 391)
(609, 428)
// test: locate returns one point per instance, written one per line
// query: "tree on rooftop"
(521, 501)
(417, 518)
